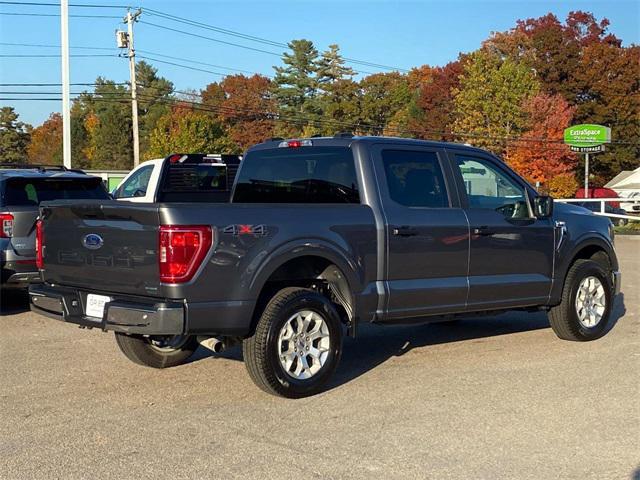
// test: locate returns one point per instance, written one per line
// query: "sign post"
(587, 138)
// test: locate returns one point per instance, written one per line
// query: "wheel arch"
(303, 264)
(594, 248)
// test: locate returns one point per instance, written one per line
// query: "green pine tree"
(296, 87)
(14, 137)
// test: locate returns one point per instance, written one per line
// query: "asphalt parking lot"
(484, 398)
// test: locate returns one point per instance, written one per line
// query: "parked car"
(211, 175)
(321, 235)
(599, 192)
(596, 207)
(631, 203)
(22, 188)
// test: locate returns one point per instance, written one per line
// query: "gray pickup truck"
(320, 235)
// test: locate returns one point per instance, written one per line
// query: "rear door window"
(414, 178)
(298, 175)
(30, 192)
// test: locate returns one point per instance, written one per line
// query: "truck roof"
(346, 140)
(36, 172)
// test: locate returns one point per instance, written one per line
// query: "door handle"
(483, 231)
(405, 231)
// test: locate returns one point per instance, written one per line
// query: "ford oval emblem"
(92, 241)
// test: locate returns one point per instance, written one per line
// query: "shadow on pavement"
(13, 302)
(376, 343)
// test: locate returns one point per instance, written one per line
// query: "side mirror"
(543, 206)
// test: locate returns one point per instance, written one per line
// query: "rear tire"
(157, 351)
(297, 344)
(583, 314)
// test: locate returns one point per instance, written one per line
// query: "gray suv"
(22, 188)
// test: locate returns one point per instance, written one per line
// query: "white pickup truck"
(153, 180)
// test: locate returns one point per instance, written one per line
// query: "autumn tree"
(296, 87)
(45, 147)
(610, 76)
(433, 108)
(247, 109)
(185, 129)
(488, 102)
(383, 95)
(14, 137)
(108, 126)
(153, 101)
(539, 154)
(341, 107)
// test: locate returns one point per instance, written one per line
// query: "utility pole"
(66, 97)
(131, 53)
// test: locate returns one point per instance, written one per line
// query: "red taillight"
(39, 245)
(6, 222)
(181, 251)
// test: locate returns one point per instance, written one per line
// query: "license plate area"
(95, 305)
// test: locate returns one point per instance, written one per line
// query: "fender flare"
(590, 239)
(303, 248)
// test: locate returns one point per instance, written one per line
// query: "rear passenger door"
(426, 232)
(511, 255)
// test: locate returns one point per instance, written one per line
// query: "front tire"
(157, 351)
(297, 344)
(583, 314)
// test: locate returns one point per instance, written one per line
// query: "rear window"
(27, 191)
(198, 178)
(298, 175)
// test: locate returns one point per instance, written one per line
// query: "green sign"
(587, 135)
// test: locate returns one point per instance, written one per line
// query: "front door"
(426, 233)
(511, 256)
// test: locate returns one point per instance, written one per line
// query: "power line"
(217, 40)
(50, 4)
(20, 14)
(253, 38)
(42, 45)
(199, 62)
(191, 34)
(182, 66)
(57, 55)
(57, 84)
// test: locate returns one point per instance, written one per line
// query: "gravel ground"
(491, 398)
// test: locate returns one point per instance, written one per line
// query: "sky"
(399, 34)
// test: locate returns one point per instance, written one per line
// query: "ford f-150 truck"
(320, 235)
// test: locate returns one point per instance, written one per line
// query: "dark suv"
(22, 188)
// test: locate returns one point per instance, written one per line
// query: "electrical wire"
(50, 4)
(53, 55)
(217, 40)
(155, 54)
(253, 38)
(42, 45)
(20, 14)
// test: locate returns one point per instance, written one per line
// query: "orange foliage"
(46, 142)
(532, 156)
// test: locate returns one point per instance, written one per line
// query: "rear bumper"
(143, 316)
(18, 274)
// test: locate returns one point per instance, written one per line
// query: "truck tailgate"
(102, 245)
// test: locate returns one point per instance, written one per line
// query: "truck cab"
(149, 181)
